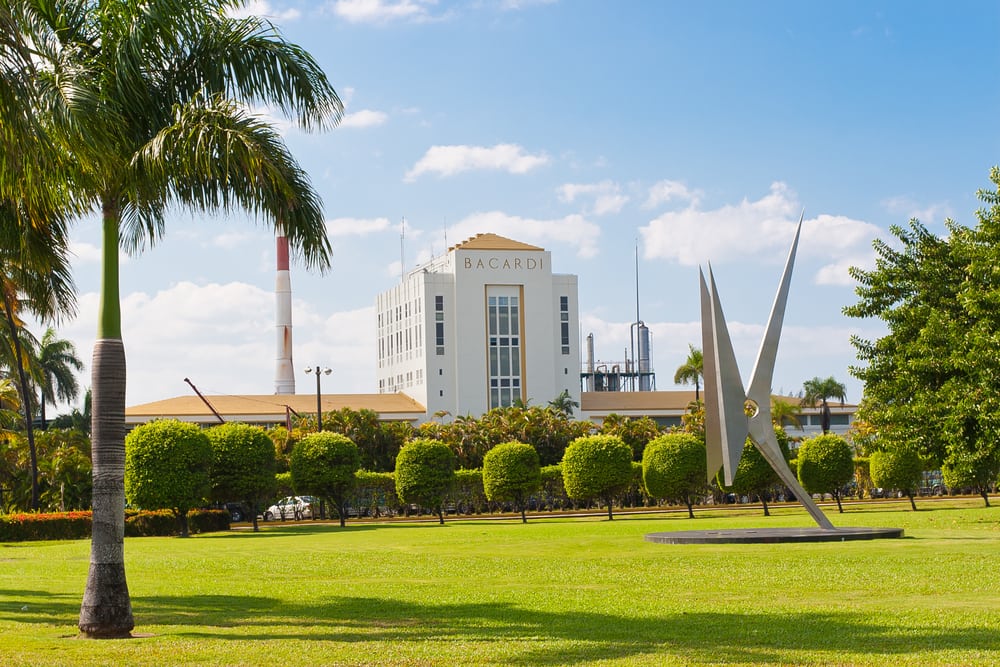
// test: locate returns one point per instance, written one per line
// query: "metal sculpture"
(732, 413)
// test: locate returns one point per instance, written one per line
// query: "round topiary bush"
(243, 465)
(425, 472)
(825, 465)
(597, 466)
(324, 464)
(512, 472)
(899, 469)
(167, 466)
(674, 467)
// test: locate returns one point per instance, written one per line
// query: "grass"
(552, 592)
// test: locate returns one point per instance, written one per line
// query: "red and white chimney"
(284, 373)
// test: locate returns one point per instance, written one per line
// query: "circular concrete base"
(772, 535)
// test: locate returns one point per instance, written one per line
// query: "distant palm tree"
(818, 390)
(784, 412)
(564, 403)
(692, 370)
(56, 362)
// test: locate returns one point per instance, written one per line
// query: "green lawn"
(552, 592)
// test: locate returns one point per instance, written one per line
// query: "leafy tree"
(674, 466)
(899, 468)
(242, 465)
(157, 116)
(425, 471)
(168, 466)
(819, 390)
(976, 470)
(57, 365)
(754, 475)
(825, 465)
(785, 413)
(597, 466)
(77, 419)
(692, 370)
(511, 472)
(379, 442)
(636, 432)
(324, 464)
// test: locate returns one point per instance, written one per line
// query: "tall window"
(564, 323)
(439, 323)
(504, 338)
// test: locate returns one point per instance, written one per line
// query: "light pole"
(319, 406)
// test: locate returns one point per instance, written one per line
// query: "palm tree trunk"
(106, 611)
(25, 392)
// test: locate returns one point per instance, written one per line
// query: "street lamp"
(319, 407)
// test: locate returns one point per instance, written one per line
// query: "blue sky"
(696, 132)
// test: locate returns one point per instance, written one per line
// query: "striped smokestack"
(284, 373)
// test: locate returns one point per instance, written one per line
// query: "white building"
(480, 327)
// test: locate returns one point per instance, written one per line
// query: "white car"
(290, 507)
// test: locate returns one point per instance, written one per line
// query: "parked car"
(290, 507)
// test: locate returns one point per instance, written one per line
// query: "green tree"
(754, 475)
(692, 370)
(597, 466)
(324, 464)
(976, 470)
(511, 472)
(563, 403)
(168, 466)
(157, 117)
(242, 465)
(57, 365)
(785, 413)
(425, 471)
(636, 432)
(674, 466)
(378, 441)
(900, 469)
(819, 390)
(825, 465)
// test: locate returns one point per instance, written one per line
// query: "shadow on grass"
(522, 636)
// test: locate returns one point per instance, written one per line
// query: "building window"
(439, 324)
(504, 345)
(564, 323)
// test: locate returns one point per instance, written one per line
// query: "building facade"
(483, 326)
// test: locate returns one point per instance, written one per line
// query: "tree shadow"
(522, 636)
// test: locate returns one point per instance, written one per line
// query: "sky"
(636, 141)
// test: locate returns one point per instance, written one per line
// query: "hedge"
(77, 525)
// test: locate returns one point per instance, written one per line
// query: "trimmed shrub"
(167, 466)
(825, 465)
(467, 494)
(899, 469)
(754, 475)
(674, 467)
(553, 491)
(324, 464)
(55, 526)
(242, 465)
(425, 472)
(597, 466)
(375, 493)
(511, 472)
(975, 470)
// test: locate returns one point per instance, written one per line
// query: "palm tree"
(564, 403)
(783, 412)
(56, 362)
(818, 390)
(158, 118)
(692, 370)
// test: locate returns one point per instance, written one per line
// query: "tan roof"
(655, 401)
(492, 242)
(274, 404)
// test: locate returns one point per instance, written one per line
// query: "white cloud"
(666, 191)
(229, 240)
(753, 229)
(356, 226)
(572, 230)
(364, 118)
(910, 208)
(451, 160)
(85, 252)
(221, 336)
(606, 195)
(264, 8)
(383, 11)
